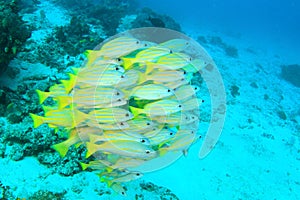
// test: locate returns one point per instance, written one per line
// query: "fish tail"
(149, 68)
(127, 63)
(63, 101)
(42, 95)
(75, 70)
(91, 148)
(37, 120)
(142, 78)
(62, 148)
(163, 151)
(79, 117)
(69, 84)
(107, 181)
(91, 56)
(84, 166)
(135, 111)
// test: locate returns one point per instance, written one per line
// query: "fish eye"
(143, 141)
(117, 68)
(187, 43)
(169, 90)
(121, 123)
(122, 76)
(127, 115)
(179, 106)
(148, 123)
(195, 88)
(184, 72)
(165, 127)
(123, 193)
(118, 93)
(145, 45)
(202, 101)
(171, 51)
(186, 118)
(119, 59)
(147, 151)
(193, 117)
(171, 133)
(138, 174)
(190, 59)
(192, 132)
(137, 42)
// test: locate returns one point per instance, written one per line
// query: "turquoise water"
(256, 48)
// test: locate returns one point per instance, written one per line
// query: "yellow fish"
(97, 165)
(131, 78)
(147, 55)
(195, 66)
(59, 118)
(114, 48)
(162, 76)
(178, 118)
(116, 126)
(54, 91)
(171, 61)
(185, 91)
(123, 148)
(191, 104)
(77, 135)
(151, 92)
(158, 108)
(90, 96)
(110, 115)
(176, 45)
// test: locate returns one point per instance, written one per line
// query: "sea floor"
(257, 156)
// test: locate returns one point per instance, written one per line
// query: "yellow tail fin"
(91, 148)
(62, 148)
(42, 95)
(135, 111)
(37, 120)
(84, 166)
(91, 56)
(63, 101)
(149, 67)
(127, 63)
(69, 84)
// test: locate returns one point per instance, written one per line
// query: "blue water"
(258, 153)
(273, 22)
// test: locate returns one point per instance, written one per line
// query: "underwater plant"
(131, 105)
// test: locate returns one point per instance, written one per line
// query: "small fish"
(162, 76)
(123, 148)
(110, 115)
(59, 118)
(171, 61)
(128, 177)
(195, 66)
(118, 188)
(54, 91)
(123, 163)
(181, 141)
(191, 104)
(178, 118)
(161, 137)
(100, 61)
(116, 126)
(151, 92)
(97, 165)
(131, 78)
(176, 84)
(118, 136)
(176, 45)
(114, 48)
(147, 55)
(185, 91)
(158, 108)
(90, 96)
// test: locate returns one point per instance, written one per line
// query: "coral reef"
(291, 73)
(14, 32)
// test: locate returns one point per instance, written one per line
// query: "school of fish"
(132, 101)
